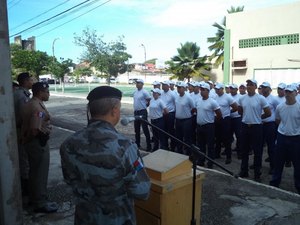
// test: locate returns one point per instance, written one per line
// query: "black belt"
(183, 119)
(139, 110)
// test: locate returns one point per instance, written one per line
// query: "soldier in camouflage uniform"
(104, 167)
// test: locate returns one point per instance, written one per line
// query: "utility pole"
(145, 59)
(10, 188)
(53, 55)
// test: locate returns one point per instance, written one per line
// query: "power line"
(74, 18)
(43, 13)
(14, 4)
(50, 18)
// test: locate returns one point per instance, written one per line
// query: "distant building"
(29, 44)
(263, 44)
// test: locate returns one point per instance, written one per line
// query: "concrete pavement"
(225, 200)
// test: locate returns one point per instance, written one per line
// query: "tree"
(218, 41)
(108, 58)
(188, 63)
(35, 62)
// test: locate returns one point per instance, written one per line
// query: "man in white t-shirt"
(250, 107)
(288, 139)
(280, 93)
(141, 99)
(222, 126)
(184, 107)
(207, 110)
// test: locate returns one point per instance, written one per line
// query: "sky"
(154, 27)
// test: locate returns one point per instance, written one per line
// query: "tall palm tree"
(217, 46)
(188, 63)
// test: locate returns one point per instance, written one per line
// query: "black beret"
(23, 76)
(104, 92)
(39, 86)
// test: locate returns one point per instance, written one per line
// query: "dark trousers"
(39, 159)
(183, 133)
(223, 135)
(137, 127)
(169, 127)
(269, 137)
(206, 140)
(236, 130)
(287, 148)
(158, 137)
(251, 138)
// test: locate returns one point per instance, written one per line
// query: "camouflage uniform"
(35, 134)
(106, 173)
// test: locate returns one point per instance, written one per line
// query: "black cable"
(74, 18)
(43, 13)
(50, 18)
(15, 4)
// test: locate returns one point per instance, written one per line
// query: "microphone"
(126, 120)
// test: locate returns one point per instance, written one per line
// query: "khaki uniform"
(21, 97)
(35, 134)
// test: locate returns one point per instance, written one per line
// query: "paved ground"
(225, 200)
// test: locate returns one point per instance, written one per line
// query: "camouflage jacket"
(106, 173)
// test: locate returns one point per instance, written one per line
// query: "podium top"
(162, 165)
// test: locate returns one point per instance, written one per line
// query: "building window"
(286, 39)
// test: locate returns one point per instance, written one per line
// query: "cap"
(242, 85)
(156, 90)
(171, 82)
(227, 85)
(266, 84)
(104, 92)
(155, 83)
(39, 86)
(219, 86)
(233, 86)
(251, 81)
(281, 86)
(23, 76)
(140, 81)
(210, 82)
(205, 86)
(181, 84)
(290, 87)
(166, 82)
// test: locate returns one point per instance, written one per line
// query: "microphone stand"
(196, 153)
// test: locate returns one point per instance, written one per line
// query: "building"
(263, 44)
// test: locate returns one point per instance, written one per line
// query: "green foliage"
(60, 69)
(217, 41)
(108, 58)
(35, 62)
(188, 63)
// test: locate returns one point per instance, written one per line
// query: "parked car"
(132, 80)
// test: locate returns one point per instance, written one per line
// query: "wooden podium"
(170, 201)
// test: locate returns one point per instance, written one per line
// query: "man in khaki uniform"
(35, 134)
(21, 97)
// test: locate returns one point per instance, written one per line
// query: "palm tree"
(218, 41)
(188, 63)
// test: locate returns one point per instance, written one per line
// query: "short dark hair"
(102, 106)
(22, 77)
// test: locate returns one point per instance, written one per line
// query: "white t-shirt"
(273, 103)
(140, 99)
(169, 98)
(289, 116)
(252, 108)
(280, 99)
(195, 97)
(206, 110)
(236, 113)
(156, 108)
(224, 102)
(298, 98)
(183, 106)
(213, 94)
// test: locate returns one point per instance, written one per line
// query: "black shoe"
(228, 161)
(243, 174)
(251, 167)
(267, 159)
(201, 164)
(49, 207)
(288, 164)
(149, 148)
(223, 153)
(210, 166)
(257, 179)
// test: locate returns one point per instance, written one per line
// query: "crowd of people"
(214, 116)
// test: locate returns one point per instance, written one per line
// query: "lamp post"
(142, 45)
(53, 58)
